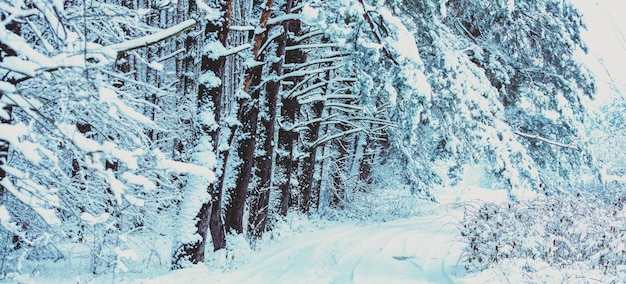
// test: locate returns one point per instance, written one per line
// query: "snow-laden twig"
(283, 18)
(296, 92)
(306, 123)
(268, 41)
(531, 136)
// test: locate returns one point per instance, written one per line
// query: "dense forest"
(210, 120)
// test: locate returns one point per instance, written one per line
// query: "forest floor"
(419, 249)
(424, 248)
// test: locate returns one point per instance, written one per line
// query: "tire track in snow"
(415, 250)
(295, 261)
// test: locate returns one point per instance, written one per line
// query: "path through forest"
(420, 249)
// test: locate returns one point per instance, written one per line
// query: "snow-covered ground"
(424, 248)
(414, 250)
(418, 249)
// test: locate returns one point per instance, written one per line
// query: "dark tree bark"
(365, 168)
(235, 210)
(308, 165)
(248, 116)
(209, 98)
(260, 204)
(216, 96)
(306, 179)
(287, 136)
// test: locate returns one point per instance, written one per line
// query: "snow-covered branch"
(537, 137)
(309, 73)
(296, 66)
(153, 38)
(236, 49)
(283, 18)
(345, 107)
(143, 84)
(304, 124)
(335, 136)
(268, 41)
(308, 35)
(301, 92)
(375, 33)
(373, 120)
(317, 45)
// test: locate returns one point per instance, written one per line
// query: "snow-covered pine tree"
(475, 99)
(248, 116)
(529, 52)
(286, 163)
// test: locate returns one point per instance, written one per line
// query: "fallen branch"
(537, 137)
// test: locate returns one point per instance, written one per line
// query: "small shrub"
(559, 230)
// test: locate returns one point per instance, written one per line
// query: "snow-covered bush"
(562, 231)
(607, 131)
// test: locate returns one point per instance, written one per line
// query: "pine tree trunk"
(235, 211)
(260, 206)
(340, 171)
(248, 116)
(287, 136)
(365, 168)
(308, 165)
(216, 96)
(286, 139)
(191, 250)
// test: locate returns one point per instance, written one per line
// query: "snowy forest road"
(415, 250)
